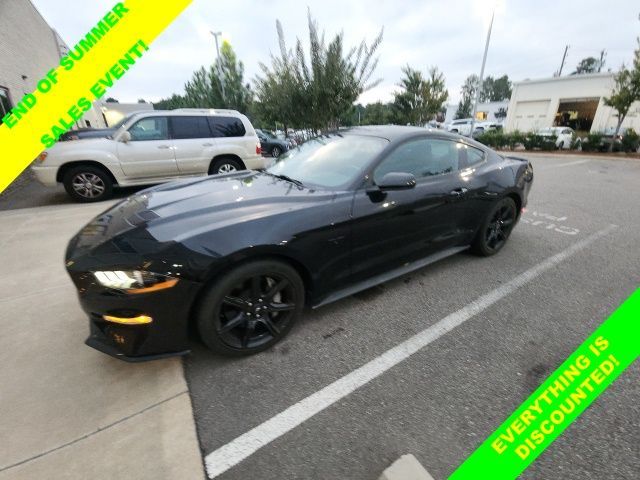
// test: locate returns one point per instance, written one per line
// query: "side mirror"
(125, 137)
(397, 181)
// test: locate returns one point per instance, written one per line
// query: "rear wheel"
(251, 308)
(276, 152)
(225, 165)
(497, 227)
(87, 183)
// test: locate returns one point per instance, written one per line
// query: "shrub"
(539, 142)
(630, 141)
(592, 143)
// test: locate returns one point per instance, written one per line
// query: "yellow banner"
(109, 49)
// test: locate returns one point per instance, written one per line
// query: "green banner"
(560, 399)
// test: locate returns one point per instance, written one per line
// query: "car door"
(393, 227)
(149, 153)
(193, 143)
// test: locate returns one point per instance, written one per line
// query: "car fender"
(106, 157)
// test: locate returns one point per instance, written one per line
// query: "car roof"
(395, 132)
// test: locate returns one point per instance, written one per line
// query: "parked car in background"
(152, 147)
(461, 126)
(564, 136)
(483, 127)
(272, 145)
(239, 256)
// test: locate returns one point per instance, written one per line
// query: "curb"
(407, 467)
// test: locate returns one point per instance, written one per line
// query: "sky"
(528, 38)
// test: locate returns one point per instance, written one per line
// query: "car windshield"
(329, 161)
(122, 122)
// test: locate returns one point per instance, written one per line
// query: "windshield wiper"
(286, 178)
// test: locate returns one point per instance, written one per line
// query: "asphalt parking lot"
(578, 246)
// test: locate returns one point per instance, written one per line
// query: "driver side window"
(423, 158)
(150, 128)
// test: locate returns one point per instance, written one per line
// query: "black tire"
(561, 145)
(250, 308)
(495, 230)
(276, 152)
(88, 183)
(225, 165)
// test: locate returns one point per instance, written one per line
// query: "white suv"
(152, 147)
(461, 126)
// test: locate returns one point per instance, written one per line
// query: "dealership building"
(576, 101)
(29, 48)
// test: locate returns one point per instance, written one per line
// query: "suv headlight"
(134, 281)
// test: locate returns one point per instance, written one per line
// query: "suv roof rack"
(207, 110)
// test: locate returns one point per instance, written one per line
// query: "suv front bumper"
(47, 176)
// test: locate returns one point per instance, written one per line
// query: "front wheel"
(87, 183)
(250, 308)
(495, 230)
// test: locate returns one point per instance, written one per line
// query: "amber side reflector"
(139, 320)
(154, 288)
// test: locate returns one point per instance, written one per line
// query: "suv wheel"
(87, 183)
(225, 165)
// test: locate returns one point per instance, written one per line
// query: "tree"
(142, 100)
(467, 94)
(379, 113)
(420, 98)
(495, 89)
(171, 103)
(626, 91)
(501, 113)
(587, 65)
(221, 85)
(318, 89)
(111, 100)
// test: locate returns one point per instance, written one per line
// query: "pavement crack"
(88, 435)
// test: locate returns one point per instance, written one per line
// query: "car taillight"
(258, 149)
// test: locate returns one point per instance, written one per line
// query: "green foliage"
(219, 86)
(467, 94)
(587, 65)
(626, 90)
(593, 142)
(495, 89)
(630, 141)
(317, 89)
(420, 98)
(539, 142)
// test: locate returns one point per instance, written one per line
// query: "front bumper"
(167, 335)
(47, 176)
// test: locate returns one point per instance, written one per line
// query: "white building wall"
(29, 48)
(528, 97)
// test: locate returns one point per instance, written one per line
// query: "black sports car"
(240, 255)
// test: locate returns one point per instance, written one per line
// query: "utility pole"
(220, 77)
(603, 54)
(479, 87)
(564, 57)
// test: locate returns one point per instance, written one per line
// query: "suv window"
(227, 127)
(189, 127)
(150, 128)
(5, 104)
(423, 158)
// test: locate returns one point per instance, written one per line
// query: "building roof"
(584, 76)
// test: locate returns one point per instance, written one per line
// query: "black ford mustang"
(240, 255)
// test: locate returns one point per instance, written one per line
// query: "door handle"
(458, 192)
(164, 147)
(207, 144)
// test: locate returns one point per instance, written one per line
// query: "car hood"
(176, 211)
(98, 143)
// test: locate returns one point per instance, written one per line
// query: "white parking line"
(229, 455)
(567, 164)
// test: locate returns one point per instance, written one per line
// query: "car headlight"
(134, 281)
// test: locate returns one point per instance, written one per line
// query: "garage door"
(532, 115)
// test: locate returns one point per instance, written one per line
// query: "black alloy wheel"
(87, 183)
(276, 152)
(251, 308)
(496, 229)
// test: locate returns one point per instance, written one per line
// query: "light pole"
(216, 35)
(484, 61)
